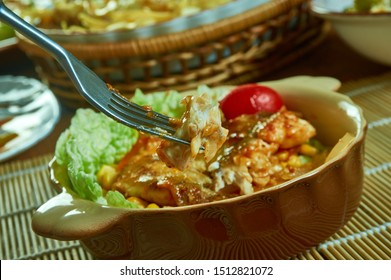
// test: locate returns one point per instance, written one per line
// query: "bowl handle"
(64, 217)
(341, 146)
(317, 82)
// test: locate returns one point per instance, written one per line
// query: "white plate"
(33, 120)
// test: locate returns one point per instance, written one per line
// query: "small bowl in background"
(275, 223)
(367, 33)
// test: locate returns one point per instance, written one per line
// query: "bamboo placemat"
(24, 186)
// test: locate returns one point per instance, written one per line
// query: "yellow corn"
(308, 150)
(283, 156)
(294, 161)
(142, 203)
(153, 205)
(106, 176)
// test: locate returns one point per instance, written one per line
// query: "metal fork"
(92, 88)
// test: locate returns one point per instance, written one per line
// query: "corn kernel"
(106, 176)
(153, 205)
(141, 202)
(308, 150)
(294, 161)
(283, 156)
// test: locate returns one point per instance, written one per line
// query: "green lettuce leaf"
(115, 198)
(91, 141)
(166, 103)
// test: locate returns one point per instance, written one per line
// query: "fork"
(103, 97)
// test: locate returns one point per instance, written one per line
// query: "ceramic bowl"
(275, 223)
(366, 33)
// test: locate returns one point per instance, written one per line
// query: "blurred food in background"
(6, 31)
(106, 15)
(373, 6)
(234, 43)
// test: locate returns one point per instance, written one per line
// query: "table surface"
(331, 58)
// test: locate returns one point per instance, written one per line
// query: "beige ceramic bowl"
(276, 223)
(367, 33)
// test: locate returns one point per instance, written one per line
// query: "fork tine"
(137, 116)
(140, 115)
(165, 136)
(141, 109)
(125, 119)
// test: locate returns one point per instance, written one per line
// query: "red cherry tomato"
(250, 99)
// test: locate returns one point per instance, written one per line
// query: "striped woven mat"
(24, 186)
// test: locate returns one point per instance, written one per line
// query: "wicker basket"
(233, 50)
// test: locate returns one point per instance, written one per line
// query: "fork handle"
(32, 33)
